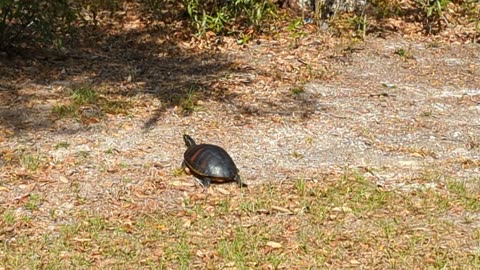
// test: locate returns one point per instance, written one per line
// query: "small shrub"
(222, 17)
(46, 22)
(386, 8)
(433, 13)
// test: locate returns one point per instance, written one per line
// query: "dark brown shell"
(211, 161)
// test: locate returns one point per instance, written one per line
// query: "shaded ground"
(403, 113)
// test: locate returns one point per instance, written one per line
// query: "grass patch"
(344, 222)
(62, 145)
(34, 201)
(8, 218)
(189, 102)
(404, 53)
(460, 192)
(31, 161)
(64, 110)
(297, 90)
(84, 98)
(237, 247)
(84, 95)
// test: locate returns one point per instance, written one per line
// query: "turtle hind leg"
(239, 181)
(204, 182)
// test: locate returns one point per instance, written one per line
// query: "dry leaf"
(63, 179)
(82, 239)
(282, 209)
(223, 191)
(273, 244)
(353, 261)
(343, 209)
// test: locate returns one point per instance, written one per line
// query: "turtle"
(209, 163)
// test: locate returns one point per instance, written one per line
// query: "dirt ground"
(402, 112)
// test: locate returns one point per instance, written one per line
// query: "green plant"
(114, 106)
(236, 249)
(189, 102)
(64, 110)
(225, 205)
(295, 28)
(180, 251)
(433, 12)
(8, 217)
(84, 95)
(62, 145)
(386, 8)
(463, 194)
(360, 23)
(224, 17)
(471, 11)
(300, 186)
(34, 201)
(297, 90)
(404, 53)
(45, 22)
(30, 161)
(243, 39)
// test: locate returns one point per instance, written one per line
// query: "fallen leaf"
(353, 261)
(182, 184)
(63, 179)
(343, 209)
(82, 239)
(281, 209)
(223, 191)
(273, 244)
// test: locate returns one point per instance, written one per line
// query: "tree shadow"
(148, 57)
(146, 60)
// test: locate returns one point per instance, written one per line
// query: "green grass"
(64, 110)
(189, 102)
(464, 195)
(8, 218)
(236, 247)
(404, 53)
(31, 161)
(297, 90)
(62, 145)
(34, 201)
(85, 95)
(340, 222)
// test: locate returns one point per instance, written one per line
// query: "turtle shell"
(209, 163)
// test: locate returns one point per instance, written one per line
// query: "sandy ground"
(400, 121)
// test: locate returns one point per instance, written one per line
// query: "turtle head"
(189, 142)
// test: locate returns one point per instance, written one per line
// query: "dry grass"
(341, 222)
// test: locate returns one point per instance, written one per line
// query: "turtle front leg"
(185, 168)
